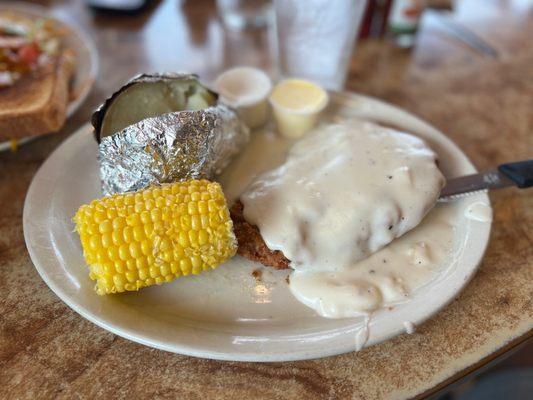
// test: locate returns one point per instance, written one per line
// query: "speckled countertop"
(484, 104)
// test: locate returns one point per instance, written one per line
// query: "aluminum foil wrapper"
(179, 145)
(175, 146)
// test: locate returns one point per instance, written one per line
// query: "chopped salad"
(25, 44)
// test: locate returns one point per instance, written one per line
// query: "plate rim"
(83, 36)
(189, 350)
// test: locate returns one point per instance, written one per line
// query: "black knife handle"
(520, 172)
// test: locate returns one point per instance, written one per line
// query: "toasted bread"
(37, 103)
(251, 243)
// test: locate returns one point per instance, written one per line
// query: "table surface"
(483, 103)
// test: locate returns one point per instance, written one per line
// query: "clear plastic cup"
(316, 38)
(243, 14)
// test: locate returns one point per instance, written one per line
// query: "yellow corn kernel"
(165, 269)
(94, 242)
(195, 222)
(133, 219)
(131, 276)
(185, 265)
(202, 207)
(105, 226)
(116, 236)
(127, 234)
(155, 214)
(107, 240)
(149, 204)
(120, 266)
(203, 237)
(156, 235)
(174, 267)
(138, 234)
(119, 222)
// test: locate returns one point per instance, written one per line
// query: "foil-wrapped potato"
(162, 128)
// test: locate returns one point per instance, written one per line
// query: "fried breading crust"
(251, 244)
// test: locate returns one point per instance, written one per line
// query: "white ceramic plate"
(86, 57)
(226, 313)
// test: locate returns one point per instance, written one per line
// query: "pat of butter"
(296, 104)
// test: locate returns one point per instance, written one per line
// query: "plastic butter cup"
(246, 89)
(296, 105)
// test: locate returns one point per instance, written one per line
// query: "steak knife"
(519, 174)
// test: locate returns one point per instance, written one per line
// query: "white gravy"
(344, 192)
(479, 211)
(409, 327)
(386, 277)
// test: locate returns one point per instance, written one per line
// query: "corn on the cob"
(155, 235)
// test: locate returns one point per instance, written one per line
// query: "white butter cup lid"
(243, 86)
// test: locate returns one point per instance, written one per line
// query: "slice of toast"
(251, 243)
(37, 103)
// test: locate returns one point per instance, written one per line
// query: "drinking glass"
(242, 14)
(315, 38)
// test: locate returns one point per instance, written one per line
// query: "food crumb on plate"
(257, 274)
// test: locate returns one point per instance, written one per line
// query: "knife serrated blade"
(470, 184)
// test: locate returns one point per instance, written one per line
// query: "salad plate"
(86, 55)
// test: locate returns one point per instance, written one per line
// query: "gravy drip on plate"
(345, 191)
(386, 277)
(479, 211)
